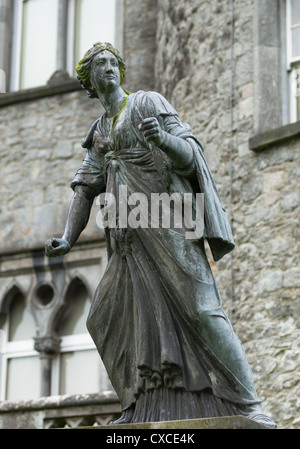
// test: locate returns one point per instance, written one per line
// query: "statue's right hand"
(57, 247)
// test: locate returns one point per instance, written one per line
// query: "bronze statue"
(156, 319)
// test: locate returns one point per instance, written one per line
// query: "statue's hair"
(83, 67)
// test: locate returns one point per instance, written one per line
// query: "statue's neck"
(112, 101)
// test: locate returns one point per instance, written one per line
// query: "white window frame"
(16, 46)
(15, 69)
(25, 348)
(69, 343)
(69, 39)
(70, 47)
(70, 36)
(12, 350)
(291, 62)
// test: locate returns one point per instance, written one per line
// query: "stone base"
(225, 422)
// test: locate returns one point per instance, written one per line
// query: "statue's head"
(83, 67)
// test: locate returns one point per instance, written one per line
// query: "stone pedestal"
(226, 422)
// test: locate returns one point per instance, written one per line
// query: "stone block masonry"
(40, 154)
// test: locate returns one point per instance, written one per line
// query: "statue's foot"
(126, 417)
(262, 419)
(255, 413)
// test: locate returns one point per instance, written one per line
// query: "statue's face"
(105, 72)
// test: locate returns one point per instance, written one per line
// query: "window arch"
(78, 302)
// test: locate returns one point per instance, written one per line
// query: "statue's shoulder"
(152, 101)
(147, 94)
(88, 139)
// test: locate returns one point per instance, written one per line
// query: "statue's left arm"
(162, 127)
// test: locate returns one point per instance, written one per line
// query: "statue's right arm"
(78, 216)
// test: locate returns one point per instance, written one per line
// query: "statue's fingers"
(154, 131)
(151, 125)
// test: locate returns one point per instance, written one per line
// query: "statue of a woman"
(156, 319)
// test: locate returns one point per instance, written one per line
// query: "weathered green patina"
(157, 318)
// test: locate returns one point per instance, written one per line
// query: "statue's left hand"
(152, 131)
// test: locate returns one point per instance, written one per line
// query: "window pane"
(95, 22)
(21, 323)
(23, 379)
(296, 42)
(82, 372)
(295, 12)
(39, 40)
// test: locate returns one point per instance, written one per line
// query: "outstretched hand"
(57, 247)
(152, 131)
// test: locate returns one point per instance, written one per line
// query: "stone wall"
(267, 275)
(40, 154)
(139, 43)
(40, 146)
(202, 62)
